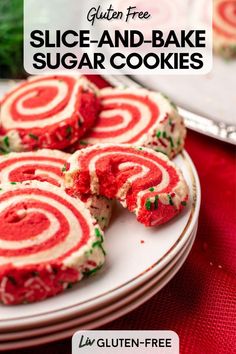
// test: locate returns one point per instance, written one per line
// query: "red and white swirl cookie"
(43, 165)
(47, 112)
(144, 181)
(224, 27)
(48, 241)
(139, 117)
(47, 165)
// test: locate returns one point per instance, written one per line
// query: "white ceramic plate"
(110, 307)
(129, 263)
(136, 299)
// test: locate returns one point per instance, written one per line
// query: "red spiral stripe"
(139, 117)
(43, 165)
(47, 112)
(144, 181)
(224, 19)
(47, 166)
(42, 228)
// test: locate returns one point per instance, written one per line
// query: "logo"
(86, 342)
(125, 342)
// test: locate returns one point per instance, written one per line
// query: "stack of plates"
(140, 261)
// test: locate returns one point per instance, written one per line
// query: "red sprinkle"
(162, 142)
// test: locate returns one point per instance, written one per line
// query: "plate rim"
(111, 316)
(140, 278)
(157, 277)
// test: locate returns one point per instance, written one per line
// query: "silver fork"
(207, 126)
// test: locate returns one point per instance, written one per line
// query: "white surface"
(129, 263)
(137, 299)
(212, 95)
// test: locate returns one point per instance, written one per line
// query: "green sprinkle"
(33, 136)
(168, 99)
(96, 244)
(140, 148)
(170, 121)
(13, 182)
(97, 232)
(164, 134)
(103, 251)
(158, 150)
(87, 253)
(92, 271)
(68, 132)
(178, 142)
(156, 202)
(3, 151)
(173, 105)
(171, 141)
(148, 204)
(170, 200)
(6, 141)
(64, 168)
(69, 286)
(99, 244)
(151, 189)
(0, 189)
(184, 203)
(83, 143)
(158, 134)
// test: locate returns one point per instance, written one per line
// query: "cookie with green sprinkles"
(142, 180)
(48, 242)
(101, 209)
(139, 117)
(46, 165)
(52, 111)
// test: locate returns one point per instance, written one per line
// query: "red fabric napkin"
(200, 301)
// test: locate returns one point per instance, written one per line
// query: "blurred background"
(11, 39)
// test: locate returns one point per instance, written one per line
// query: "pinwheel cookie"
(144, 181)
(48, 241)
(47, 112)
(139, 117)
(47, 165)
(224, 27)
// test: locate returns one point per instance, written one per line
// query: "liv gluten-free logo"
(101, 342)
(151, 37)
(86, 341)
